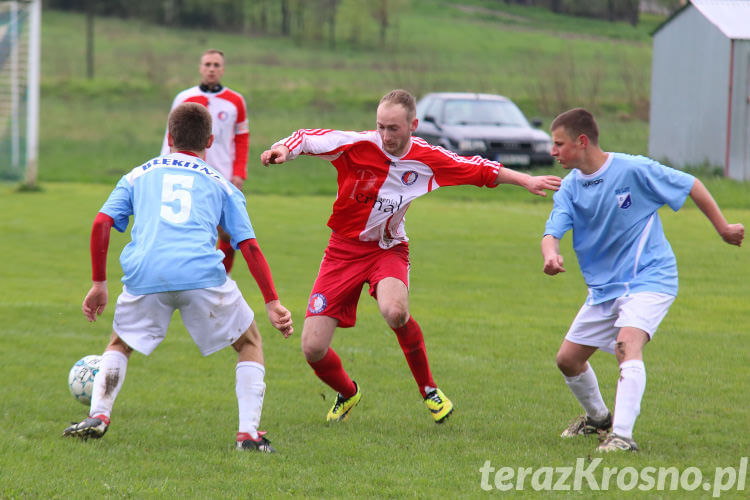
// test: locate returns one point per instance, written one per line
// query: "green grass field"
(492, 322)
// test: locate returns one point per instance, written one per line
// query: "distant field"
(93, 131)
(492, 322)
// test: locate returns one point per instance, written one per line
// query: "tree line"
(611, 10)
(353, 21)
(359, 22)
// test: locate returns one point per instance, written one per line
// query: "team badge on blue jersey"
(409, 177)
(623, 198)
(317, 303)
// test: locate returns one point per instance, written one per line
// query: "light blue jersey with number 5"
(177, 201)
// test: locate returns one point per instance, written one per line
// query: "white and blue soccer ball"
(81, 377)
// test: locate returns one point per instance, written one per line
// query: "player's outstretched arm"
(280, 317)
(96, 300)
(534, 184)
(553, 261)
(731, 233)
(275, 155)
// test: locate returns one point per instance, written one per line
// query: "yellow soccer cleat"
(342, 406)
(440, 407)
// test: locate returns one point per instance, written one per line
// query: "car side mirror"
(536, 123)
(431, 119)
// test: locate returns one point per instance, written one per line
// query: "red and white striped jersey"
(228, 153)
(375, 188)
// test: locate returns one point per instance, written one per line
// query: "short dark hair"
(190, 126)
(577, 121)
(404, 98)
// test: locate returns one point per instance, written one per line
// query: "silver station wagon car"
(487, 125)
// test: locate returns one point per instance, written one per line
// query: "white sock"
(250, 392)
(108, 382)
(630, 389)
(585, 388)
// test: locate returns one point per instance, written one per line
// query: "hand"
(96, 300)
(237, 181)
(553, 264)
(539, 183)
(733, 234)
(280, 318)
(276, 155)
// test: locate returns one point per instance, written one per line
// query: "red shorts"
(347, 265)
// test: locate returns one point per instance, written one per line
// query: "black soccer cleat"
(262, 445)
(92, 427)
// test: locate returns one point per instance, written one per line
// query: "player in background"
(380, 172)
(611, 202)
(229, 151)
(182, 199)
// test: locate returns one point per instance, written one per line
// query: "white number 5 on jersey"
(176, 187)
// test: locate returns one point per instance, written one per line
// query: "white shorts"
(215, 317)
(598, 325)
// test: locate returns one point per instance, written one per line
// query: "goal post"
(20, 48)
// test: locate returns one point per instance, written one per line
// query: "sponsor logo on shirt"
(317, 303)
(379, 203)
(222, 115)
(592, 183)
(172, 162)
(409, 178)
(623, 198)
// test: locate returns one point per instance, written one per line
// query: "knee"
(396, 315)
(313, 351)
(117, 344)
(569, 366)
(251, 339)
(627, 350)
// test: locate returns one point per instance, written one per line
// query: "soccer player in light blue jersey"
(611, 202)
(171, 262)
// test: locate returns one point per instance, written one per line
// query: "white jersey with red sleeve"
(375, 188)
(229, 151)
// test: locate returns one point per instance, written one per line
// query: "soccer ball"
(81, 378)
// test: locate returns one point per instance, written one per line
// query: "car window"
(433, 109)
(482, 112)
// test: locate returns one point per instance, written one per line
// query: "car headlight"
(543, 147)
(472, 145)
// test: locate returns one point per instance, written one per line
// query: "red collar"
(188, 153)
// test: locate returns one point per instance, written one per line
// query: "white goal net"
(19, 89)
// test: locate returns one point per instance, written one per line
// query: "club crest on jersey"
(222, 115)
(409, 177)
(317, 303)
(623, 198)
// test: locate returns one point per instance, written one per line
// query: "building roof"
(731, 17)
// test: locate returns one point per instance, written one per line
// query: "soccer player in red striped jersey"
(228, 153)
(380, 172)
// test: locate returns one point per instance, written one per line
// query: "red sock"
(412, 343)
(331, 371)
(226, 247)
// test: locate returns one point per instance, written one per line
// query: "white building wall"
(739, 152)
(689, 92)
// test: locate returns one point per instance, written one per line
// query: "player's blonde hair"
(404, 99)
(190, 126)
(575, 122)
(213, 51)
